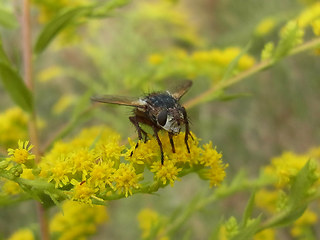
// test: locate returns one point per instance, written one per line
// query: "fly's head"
(171, 119)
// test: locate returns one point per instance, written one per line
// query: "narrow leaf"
(249, 231)
(15, 86)
(248, 211)
(7, 19)
(52, 29)
(3, 56)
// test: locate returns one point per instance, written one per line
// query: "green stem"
(243, 75)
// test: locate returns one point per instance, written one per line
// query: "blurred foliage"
(82, 48)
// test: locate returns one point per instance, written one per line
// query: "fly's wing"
(181, 89)
(133, 102)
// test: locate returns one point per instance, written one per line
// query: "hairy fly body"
(159, 110)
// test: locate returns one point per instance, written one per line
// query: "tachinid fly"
(159, 110)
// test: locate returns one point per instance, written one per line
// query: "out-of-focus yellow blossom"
(62, 104)
(50, 73)
(267, 200)
(316, 27)
(22, 234)
(265, 26)
(166, 172)
(48, 9)
(150, 220)
(223, 235)
(268, 234)
(10, 187)
(285, 167)
(155, 59)
(126, 179)
(308, 219)
(27, 174)
(77, 220)
(13, 126)
(210, 63)
(309, 15)
(22, 154)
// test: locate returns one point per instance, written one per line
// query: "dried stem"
(27, 64)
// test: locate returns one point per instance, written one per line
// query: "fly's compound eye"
(162, 117)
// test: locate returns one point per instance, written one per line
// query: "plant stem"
(241, 76)
(33, 132)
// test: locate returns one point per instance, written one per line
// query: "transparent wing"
(181, 89)
(120, 100)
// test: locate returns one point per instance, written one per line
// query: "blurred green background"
(114, 56)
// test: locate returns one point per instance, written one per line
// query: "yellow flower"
(167, 172)
(265, 26)
(77, 220)
(267, 199)
(102, 175)
(309, 15)
(22, 154)
(13, 126)
(304, 222)
(267, 234)
(63, 103)
(126, 179)
(316, 27)
(50, 73)
(11, 188)
(285, 167)
(82, 192)
(82, 162)
(22, 234)
(147, 219)
(146, 153)
(59, 173)
(155, 59)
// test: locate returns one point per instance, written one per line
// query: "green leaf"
(233, 64)
(249, 231)
(52, 29)
(248, 211)
(8, 19)
(3, 56)
(15, 86)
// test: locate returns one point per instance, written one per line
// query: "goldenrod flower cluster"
(209, 63)
(94, 166)
(77, 220)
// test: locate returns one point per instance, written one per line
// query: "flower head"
(167, 172)
(126, 179)
(22, 154)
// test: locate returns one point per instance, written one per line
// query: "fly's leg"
(159, 143)
(186, 122)
(135, 122)
(171, 142)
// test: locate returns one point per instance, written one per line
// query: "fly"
(159, 110)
